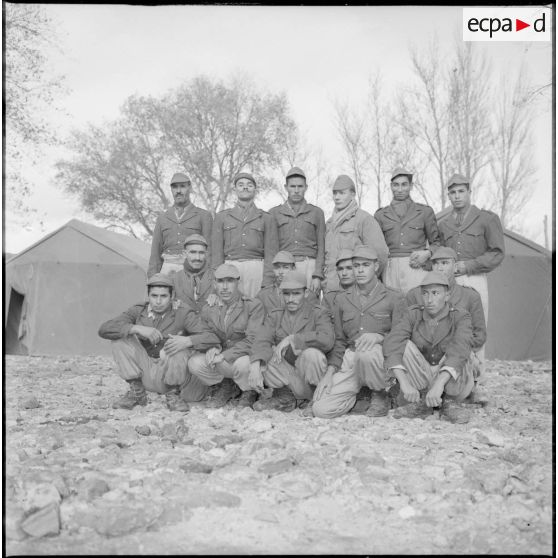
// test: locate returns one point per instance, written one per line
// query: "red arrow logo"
(519, 25)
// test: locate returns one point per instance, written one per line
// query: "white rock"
(407, 512)
(261, 426)
(490, 437)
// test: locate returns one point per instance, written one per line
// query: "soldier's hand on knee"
(367, 341)
(434, 395)
(176, 343)
(411, 394)
(281, 347)
(152, 334)
(211, 355)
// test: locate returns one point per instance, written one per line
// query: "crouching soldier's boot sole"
(380, 404)
(454, 412)
(135, 396)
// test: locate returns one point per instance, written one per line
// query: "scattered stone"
(43, 522)
(116, 521)
(192, 466)
(407, 512)
(225, 439)
(93, 488)
(267, 516)
(194, 497)
(12, 522)
(490, 437)
(261, 426)
(271, 468)
(143, 430)
(40, 495)
(361, 462)
(30, 403)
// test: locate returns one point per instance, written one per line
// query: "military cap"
(444, 252)
(195, 239)
(226, 271)
(160, 280)
(296, 171)
(434, 278)
(283, 257)
(293, 280)
(458, 179)
(365, 251)
(179, 177)
(344, 255)
(343, 182)
(244, 175)
(400, 170)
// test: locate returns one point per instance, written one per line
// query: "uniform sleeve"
(477, 320)
(199, 332)
(320, 256)
(217, 242)
(396, 340)
(372, 234)
(156, 257)
(271, 246)
(255, 322)
(335, 357)
(459, 348)
(495, 249)
(321, 338)
(431, 229)
(120, 327)
(262, 348)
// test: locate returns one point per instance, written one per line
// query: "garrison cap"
(244, 175)
(458, 179)
(296, 171)
(179, 177)
(195, 239)
(343, 182)
(293, 280)
(345, 254)
(227, 271)
(283, 257)
(444, 252)
(160, 280)
(365, 251)
(434, 278)
(400, 170)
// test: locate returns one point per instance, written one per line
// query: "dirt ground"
(82, 478)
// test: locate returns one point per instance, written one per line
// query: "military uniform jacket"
(170, 233)
(452, 337)
(184, 288)
(479, 241)
(271, 298)
(302, 234)
(359, 227)
(465, 298)
(251, 238)
(242, 325)
(311, 327)
(411, 232)
(178, 320)
(384, 308)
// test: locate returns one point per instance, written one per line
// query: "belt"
(246, 259)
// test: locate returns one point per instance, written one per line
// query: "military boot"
(281, 400)
(453, 411)
(362, 402)
(135, 396)
(380, 404)
(221, 394)
(412, 410)
(246, 399)
(175, 402)
(477, 397)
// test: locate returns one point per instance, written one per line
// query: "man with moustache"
(245, 236)
(174, 226)
(411, 233)
(363, 315)
(301, 229)
(349, 226)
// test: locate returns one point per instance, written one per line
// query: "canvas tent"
(520, 301)
(59, 290)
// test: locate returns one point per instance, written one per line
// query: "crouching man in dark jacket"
(152, 343)
(429, 354)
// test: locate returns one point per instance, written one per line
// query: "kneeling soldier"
(236, 319)
(429, 353)
(363, 315)
(288, 353)
(139, 336)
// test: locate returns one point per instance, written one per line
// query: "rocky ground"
(82, 478)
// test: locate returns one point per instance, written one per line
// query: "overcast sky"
(314, 54)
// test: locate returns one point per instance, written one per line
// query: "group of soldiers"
(282, 309)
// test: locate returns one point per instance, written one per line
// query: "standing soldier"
(193, 284)
(246, 237)
(235, 319)
(408, 227)
(288, 352)
(349, 226)
(477, 237)
(301, 229)
(139, 336)
(363, 315)
(174, 225)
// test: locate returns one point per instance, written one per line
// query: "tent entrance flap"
(15, 326)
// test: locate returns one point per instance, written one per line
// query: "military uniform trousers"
(251, 275)
(478, 282)
(172, 262)
(399, 275)
(307, 267)
(301, 378)
(215, 373)
(358, 369)
(157, 374)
